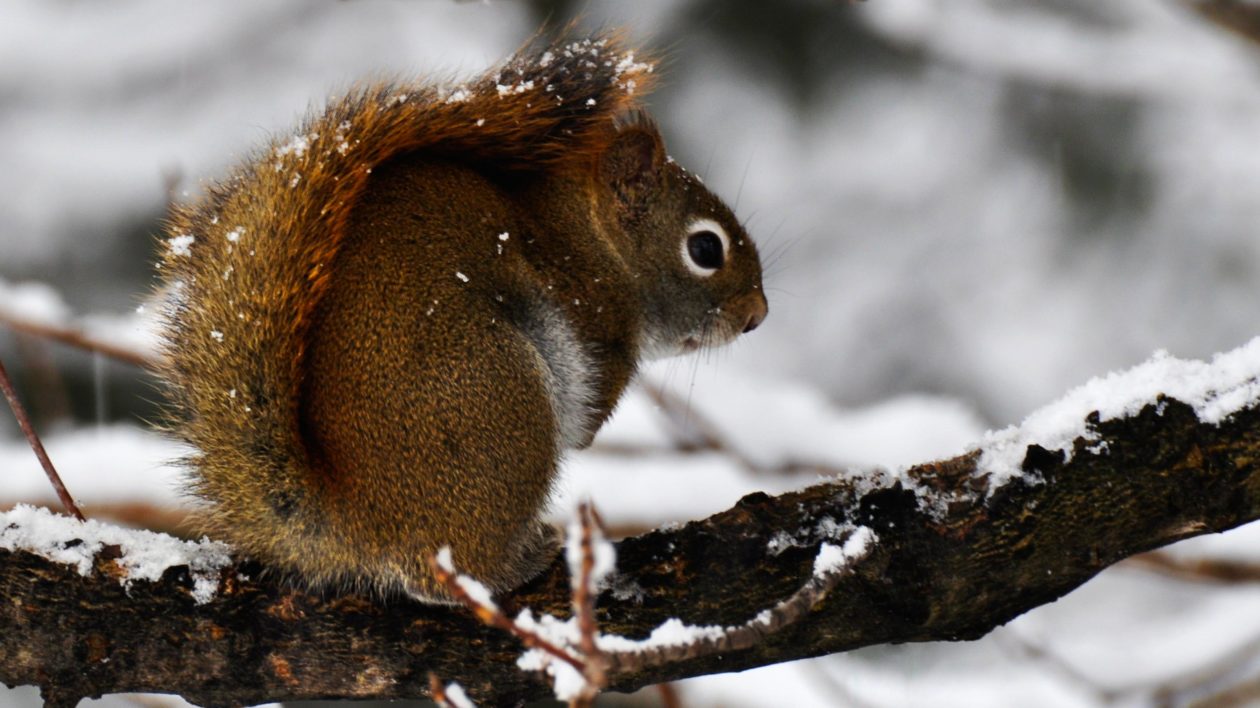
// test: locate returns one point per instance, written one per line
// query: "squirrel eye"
(704, 249)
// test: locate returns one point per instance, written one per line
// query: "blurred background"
(965, 208)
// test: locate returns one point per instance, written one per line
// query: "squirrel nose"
(757, 315)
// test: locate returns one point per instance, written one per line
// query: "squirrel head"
(698, 271)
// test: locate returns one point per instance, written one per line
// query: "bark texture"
(1161, 476)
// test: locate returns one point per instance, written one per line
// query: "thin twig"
(596, 673)
(1204, 570)
(699, 433)
(749, 634)
(494, 617)
(24, 423)
(669, 695)
(437, 692)
(451, 696)
(76, 337)
(1239, 17)
(693, 433)
(583, 597)
(1226, 678)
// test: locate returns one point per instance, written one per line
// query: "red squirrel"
(387, 327)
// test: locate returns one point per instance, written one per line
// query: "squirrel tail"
(244, 267)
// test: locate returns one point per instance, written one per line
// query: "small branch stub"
(28, 430)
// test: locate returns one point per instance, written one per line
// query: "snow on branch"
(137, 555)
(942, 550)
(1215, 390)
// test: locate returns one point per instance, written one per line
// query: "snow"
(42, 305)
(476, 591)
(832, 558)
(33, 301)
(604, 554)
(297, 147)
(145, 555)
(105, 465)
(180, 245)
(1215, 390)
(460, 95)
(673, 632)
(456, 696)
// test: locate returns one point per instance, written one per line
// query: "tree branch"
(976, 562)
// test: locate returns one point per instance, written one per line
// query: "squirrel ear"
(631, 166)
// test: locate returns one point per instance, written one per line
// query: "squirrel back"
(338, 434)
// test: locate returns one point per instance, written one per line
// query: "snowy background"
(966, 207)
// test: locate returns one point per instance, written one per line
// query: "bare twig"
(1041, 653)
(669, 695)
(1242, 18)
(1225, 681)
(691, 430)
(583, 595)
(24, 423)
(76, 337)
(494, 617)
(693, 433)
(751, 632)
(451, 696)
(584, 592)
(1239, 695)
(1204, 570)
(437, 692)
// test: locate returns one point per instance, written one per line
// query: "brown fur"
(361, 364)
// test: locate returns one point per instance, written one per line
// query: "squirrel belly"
(384, 330)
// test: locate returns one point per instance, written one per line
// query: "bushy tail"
(246, 266)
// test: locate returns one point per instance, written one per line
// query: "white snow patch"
(603, 553)
(33, 301)
(515, 89)
(832, 558)
(1215, 390)
(138, 332)
(145, 555)
(41, 304)
(180, 245)
(568, 682)
(456, 696)
(478, 592)
(216, 335)
(235, 234)
(462, 278)
(297, 146)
